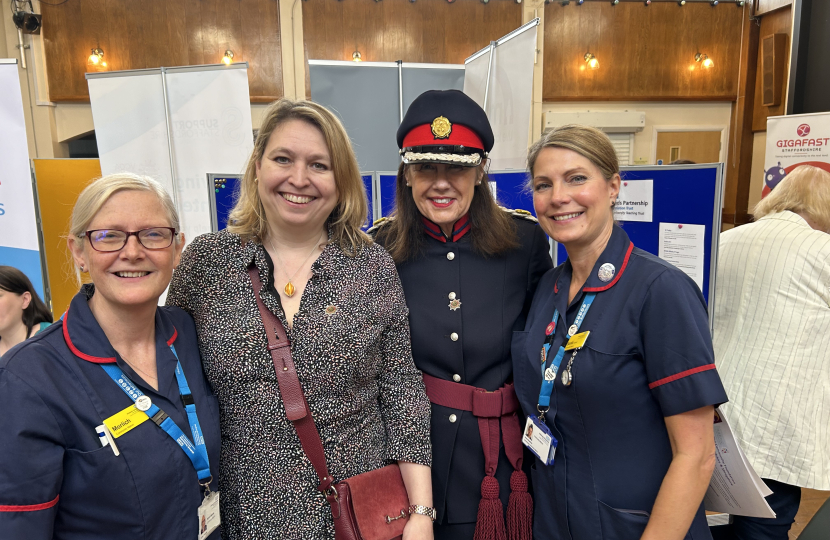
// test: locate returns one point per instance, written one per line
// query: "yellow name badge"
(577, 341)
(124, 421)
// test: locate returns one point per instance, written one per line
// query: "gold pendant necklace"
(289, 288)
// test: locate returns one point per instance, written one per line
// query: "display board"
(500, 79)
(801, 139)
(370, 98)
(175, 125)
(59, 182)
(19, 243)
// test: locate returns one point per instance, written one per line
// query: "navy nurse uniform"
(56, 478)
(649, 356)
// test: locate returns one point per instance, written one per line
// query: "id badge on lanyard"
(537, 436)
(196, 451)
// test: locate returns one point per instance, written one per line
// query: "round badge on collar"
(606, 272)
(143, 403)
(572, 330)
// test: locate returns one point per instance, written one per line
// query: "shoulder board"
(377, 224)
(521, 214)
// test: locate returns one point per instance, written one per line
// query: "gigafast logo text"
(803, 142)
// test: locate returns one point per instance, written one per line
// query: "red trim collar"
(617, 277)
(459, 229)
(28, 507)
(76, 351)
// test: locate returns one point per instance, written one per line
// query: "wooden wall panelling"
(431, 31)
(139, 34)
(645, 52)
(741, 140)
(777, 22)
(766, 6)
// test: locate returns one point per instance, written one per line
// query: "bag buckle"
(390, 519)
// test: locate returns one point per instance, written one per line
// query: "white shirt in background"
(772, 346)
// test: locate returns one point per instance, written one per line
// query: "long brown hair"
(14, 281)
(248, 216)
(492, 230)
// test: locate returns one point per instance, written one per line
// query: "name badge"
(539, 440)
(124, 421)
(577, 341)
(209, 515)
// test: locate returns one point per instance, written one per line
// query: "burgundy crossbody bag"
(369, 506)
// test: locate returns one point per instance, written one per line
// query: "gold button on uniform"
(450, 256)
(451, 296)
(454, 336)
(453, 418)
(456, 377)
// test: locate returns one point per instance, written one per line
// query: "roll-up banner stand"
(175, 125)
(19, 237)
(797, 139)
(499, 77)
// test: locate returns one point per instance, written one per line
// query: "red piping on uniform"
(613, 281)
(680, 375)
(74, 349)
(461, 227)
(172, 339)
(28, 507)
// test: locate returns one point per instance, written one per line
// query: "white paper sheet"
(682, 245)
(634, 203)
(735, 487)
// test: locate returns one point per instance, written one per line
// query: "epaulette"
(377, 224)
(519, 213)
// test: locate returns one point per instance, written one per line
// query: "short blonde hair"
(248, 215)
(805, 190)
(99, 191)
(589, 142)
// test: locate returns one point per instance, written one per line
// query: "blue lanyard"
(549, 371)
(198, 452)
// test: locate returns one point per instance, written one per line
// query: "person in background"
(22, 313)
(297, 222)
(772, 343)
(615, 364)
(109, 428)
(469, 270)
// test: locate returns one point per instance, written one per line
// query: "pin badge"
(454, 304)
(143, 403)
(550, 328)
(606, 272)
(572, 330)
(549, 374)
(566, 377)
(441, 127)
(331, 309)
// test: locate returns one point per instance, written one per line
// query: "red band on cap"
(460, 135)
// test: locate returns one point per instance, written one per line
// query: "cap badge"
(606, 272)
(441, 128)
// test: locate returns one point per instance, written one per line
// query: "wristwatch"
(423, 510)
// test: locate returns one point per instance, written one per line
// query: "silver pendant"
(606, 272)
(566, 377)
(572, 330)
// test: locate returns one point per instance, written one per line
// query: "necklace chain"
(289, 288)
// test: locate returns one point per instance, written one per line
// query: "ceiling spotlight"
(96, 58)
(704, 60)
(681, 3)
(615, 2)
(714, 3)
(580, 2)
(356, 55)
(28, 22)
(648, 2)
(485, 1)
(591, 60)
(227, 59)
(740, 3)
(450, 1)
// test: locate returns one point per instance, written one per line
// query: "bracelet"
(423, 510)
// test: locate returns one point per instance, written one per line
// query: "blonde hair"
(99, 191)
(805, 190)
(247, 218)
(589, 142)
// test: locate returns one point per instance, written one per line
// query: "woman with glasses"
(110, 429)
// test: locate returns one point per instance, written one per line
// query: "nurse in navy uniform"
(469, 270)
(109, 428)
(615, 365)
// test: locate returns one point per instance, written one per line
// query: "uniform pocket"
(618, 524)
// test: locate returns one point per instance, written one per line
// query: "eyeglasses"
(108, 240)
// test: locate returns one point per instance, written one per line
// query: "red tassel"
(519, 509)
(490, 520)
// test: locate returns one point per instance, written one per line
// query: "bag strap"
(296, 406)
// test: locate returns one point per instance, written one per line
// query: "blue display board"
(369, 185)
(386, 186)
(223, 190)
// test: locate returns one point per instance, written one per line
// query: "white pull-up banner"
(19, 246)
(175, 125)
(500, 79)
